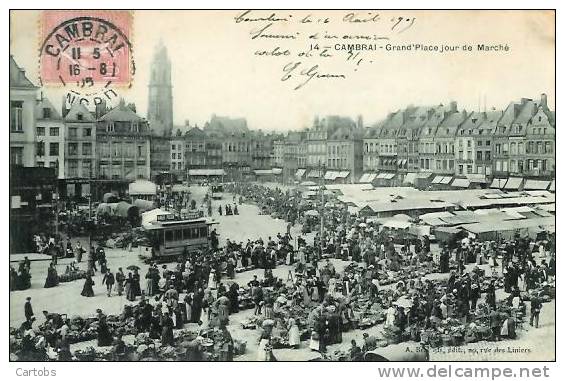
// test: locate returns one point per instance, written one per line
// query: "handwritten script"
(310, 47)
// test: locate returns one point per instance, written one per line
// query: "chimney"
(543, 101)
(100, 109)
(187, 123)
(452, 106)
(64, 109)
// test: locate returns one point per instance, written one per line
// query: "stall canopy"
(277, 171)
(180, 188)
(206, 172)
(142, 187)
(461, 183)
(424, 175)
(536, 184)
(552, 186)
(410, 178)
(498, 183)
(300, 173)
(386, 175)
(514, 183)
(263, 172)
(343, 174)
(331, 175)
(367, 178)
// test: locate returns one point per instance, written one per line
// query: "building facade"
(50, 138)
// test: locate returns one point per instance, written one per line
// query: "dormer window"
(47, 113)
(135, 126)
(110, 127)
(80, 116)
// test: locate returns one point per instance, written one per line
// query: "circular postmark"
(88, 53)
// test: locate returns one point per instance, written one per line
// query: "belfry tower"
(160, 107)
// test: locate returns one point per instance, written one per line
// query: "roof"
(77, 109)
(46, 104)
(227, 125)
(206, 172)
(537, 184)
(195, 132)
(483, 227)
(18, 76)
(121, 113)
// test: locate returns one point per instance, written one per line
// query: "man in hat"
(535, 309)
(109, 280)
(28, 310)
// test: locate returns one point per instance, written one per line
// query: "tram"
(170, 236)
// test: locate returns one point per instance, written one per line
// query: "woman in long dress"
(149, 289)
(293, 334)
(136, 283)
(87, 288)
(130, 291)
(52, 279)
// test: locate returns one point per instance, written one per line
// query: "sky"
(215, 68)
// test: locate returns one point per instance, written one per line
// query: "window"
(86, 168)
(87, 132)
(16, 116)
(460, 169)
(86, 148)
(73, 148)
(469, 168)
(174, 155)
(73, 168)
(548, 147)
(72, 132)
(469, 143)
(479, 143)
(110, 127)
(53, 131)
(53, 149)
(41, 164)
(168, 235)
(174, 147)
(179, 156)
(40, 131)
(140, 151)
(46, 113)
(186, 234)
(54, 165)
(204, 232)
(40, 148)
(487, 155)
(479, 155)
(488, 142)
(80, 116)
(178, 235)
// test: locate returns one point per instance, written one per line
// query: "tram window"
(195, 233)
(186, 234)
(168, 235)
(203, 232)
(178, 235)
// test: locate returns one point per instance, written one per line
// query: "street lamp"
(56, 199)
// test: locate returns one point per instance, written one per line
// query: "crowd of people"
(316, 302)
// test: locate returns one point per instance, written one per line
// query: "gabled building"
(539, 159)
(444, 141)
(50, 138)
(371, 147)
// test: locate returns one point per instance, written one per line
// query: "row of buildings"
(518, 140)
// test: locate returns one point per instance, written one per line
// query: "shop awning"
(424, 175)
(446, 180)
(142, 187)
(476, 178)
(206, 172)
(536, 184)
(461, 183)
(331, 175)
(300, 173)
(552, 186)
(381, 175)
(263, 172)
(410, 178)
(403, 162)
(514, 183)
(367, 178)
(388, 176)
(343, 174)
(277, 171)
(437, 180)
(498, 183)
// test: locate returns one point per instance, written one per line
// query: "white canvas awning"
(343, 174)
(446, 180)
(476, 178)
(410, 178)
(367, 178)
(536, 184)
(498, 183)
(142, 187)
(206, 172)
(424, 175)
(461, 183)
(437, 180)
(331, 175)
(277, 171)
(514, 183)
(552, 186)
(314, 173)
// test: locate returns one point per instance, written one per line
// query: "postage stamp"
(87, 52)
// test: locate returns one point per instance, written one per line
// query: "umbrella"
(133, 267)
(312, 212)
(404, 302)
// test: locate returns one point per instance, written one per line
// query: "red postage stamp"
(86, 49)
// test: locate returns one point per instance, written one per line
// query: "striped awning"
(315, 173)
(437, 180)
(299, 173)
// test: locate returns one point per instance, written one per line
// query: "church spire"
(160, 107)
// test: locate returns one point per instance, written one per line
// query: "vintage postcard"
(280, 185)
